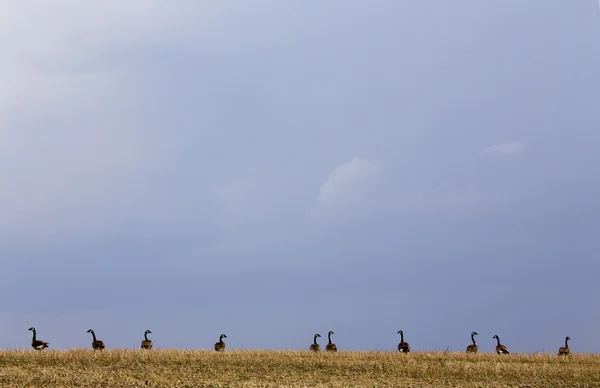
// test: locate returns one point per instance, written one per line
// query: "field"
(202, 368)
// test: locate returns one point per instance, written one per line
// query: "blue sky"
(274, 169)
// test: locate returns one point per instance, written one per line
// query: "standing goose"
(146, 343)
(403, 347)
(565, 351)
(500, 349)
(96, 344)
(37, 344)
(330, 346)
(220, 346)
(315, 347)
(473, 348)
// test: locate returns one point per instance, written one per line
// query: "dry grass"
(200, 368)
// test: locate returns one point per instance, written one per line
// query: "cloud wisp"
(513, 147)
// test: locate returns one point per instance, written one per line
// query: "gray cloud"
(157, 156)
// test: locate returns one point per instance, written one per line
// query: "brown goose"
(565, 351)
(403, 347)
(37, 344)
(220, 346)
(473, 348)
(315, 347)
(330, 346)
(500, 349)
(146, 343)
(96, 344)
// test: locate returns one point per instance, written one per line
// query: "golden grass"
(202, 368)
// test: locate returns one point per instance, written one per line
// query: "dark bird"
(96, 344)
(473, 348)
(315, 347)
(500, 349)
(220, 346)
(37, 344)
(330, 346)
(146, 343)
(564, 350)
(403, 347)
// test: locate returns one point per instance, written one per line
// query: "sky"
(275, 169)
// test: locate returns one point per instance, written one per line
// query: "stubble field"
(249, 368)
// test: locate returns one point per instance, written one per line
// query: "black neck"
(146, 336)
(93, 335)
(498, 339)
(221, 338)
(473, 339)
(567, 342)
(329, 337)
(33, 334)
(315, 340)
(401, 337)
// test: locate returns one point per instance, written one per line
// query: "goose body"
(220, 346)
(564, 350)
(500, 349)
(37, 344)
(330, 346)
(146, 343)
(96, 344)
(315, 347)
(403, 347)
(473, 348)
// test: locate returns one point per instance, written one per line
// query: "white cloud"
(349, 183)
(507, 148)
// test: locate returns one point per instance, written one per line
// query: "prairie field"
(265, 368)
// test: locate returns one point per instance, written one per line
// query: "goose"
(146, 343)
(96, 344)
(500, 349)
(37, 344)
(403, 347)
(315, 346)
(564, 350)
(473, 348)
(220, 346)
(330, 346)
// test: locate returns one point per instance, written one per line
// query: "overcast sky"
(272, 169)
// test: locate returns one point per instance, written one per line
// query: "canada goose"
(565, 351)
(330, 346)
(315, 346)
(146, 343)
(403, 347)
(500, 349)
(220, 346)
(473, 348)
(96, 344)
(37, 344)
